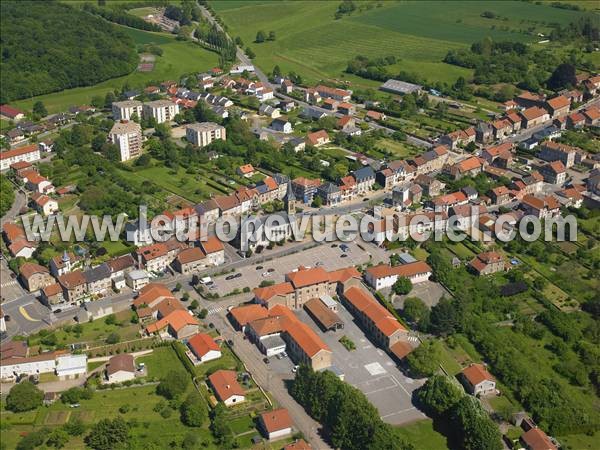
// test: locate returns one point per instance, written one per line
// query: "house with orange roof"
(536, 439)
(500, 195)
(501, 128)
(44, 204)
(190, 260)
(37, 183)
(299, 444)
(592, 116)
(348, 109)
(74, 285)
(240, 316)
(459, 138)
(478, 381)
(281, 330)
(576, 120)
(570, 197)
(341, 95)
(226, 387)
(179, 324)
(348, 188)
(317, 138)
(28, 153)
(385, 275)
(491, 154)
(202, 348)
(214, 251)
(555, 151)
(381, 325)
(534, 116)
(247, 170)
(542, 208)
(558, 106)
(471, 166)
(305, 188)
(153, 257)
(487, 263)
(275, 424)
(554, 172)
(35, 277)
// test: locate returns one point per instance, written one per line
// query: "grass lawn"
(160, 362)
(178, 58)
(398, 149)
(311, 42)
(420, 253)
(422, 435)
(579, 441)
(227, 361)
(448, 360)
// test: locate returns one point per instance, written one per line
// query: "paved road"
(18, 204)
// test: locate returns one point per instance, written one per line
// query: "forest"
(49, 46)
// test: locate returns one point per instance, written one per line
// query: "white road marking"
(375, 369)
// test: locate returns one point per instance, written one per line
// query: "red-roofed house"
(467, 167)
(10, 113)
(226, 387)
(592, 116)
(246, 170)
(554, 172)
(487, 263)
(478, 381)
(202, 348)
(558, 106)
(384, 275)
(276, 424)
(534, 116)
(29, 153)
(536, 439)
(214, 250)
(318, 138)
(179, 324)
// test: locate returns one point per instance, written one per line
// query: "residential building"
(202, 134)
(35, 277)
(334, 93)
(487, 263)
(98, 279)
(375, 115)
(381, 325)
(500, 195)
(282, 125)
(71, 366)
(120, 368)
(59, 265)
(176, 322)
(44, 204)
(275, 424)
(127, 110)
(190, 260)
(467, 167)
(460, 138)
(74, 285)
(592, 116)
(348, 188)
(214, 251)
(365, 179)
(502, 128)
(305, 188)
(558, 106)
(554, 151)
(346, 108)
(318, 138)
(384, 275)
(10, 113)
(52, 296)
(536, 439)
(28, 153)
(203, 348)
(128, 137)
(226, 387)
(554, 172)
(542, 208)
(246, 170)
(484, 132)
(431, 186)
(534, 116)
(154, 257)
(478, 381)
(161, 110)
(37, 183)
(12, 367)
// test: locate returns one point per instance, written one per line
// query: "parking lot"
(371, 370)
(428, 291)
(9, 286)
(329, 257)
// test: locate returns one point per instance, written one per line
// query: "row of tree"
(349, 419)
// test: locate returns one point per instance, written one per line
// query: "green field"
(310, 42)
(422, 435)
(178, 58)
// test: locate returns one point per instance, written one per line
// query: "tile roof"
(558, 102)
(246, 169)
(534, 112)
(52, 290)
(190, 255)
(29, 269)
(276, 420)
(402, 270)
(211, 245)
(152, 292)
(248, 313)
(19, 151)
(225, 384)
(123, 362)
(176, 320)
(536, 439)
(72, 279)
(476, 373)
(202, 343)
(401, 349)
(307, 277)
(268, 292)
(368, 306)
(300, 444)
(153, 251)
(314, 138)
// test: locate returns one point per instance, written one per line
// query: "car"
(334, 245)
(13, 276)
(284, 354)
(271, 270)
(211, 325)
(295, 369)
(230, 277)
(344, 255)
(57, 311)
(230, 342)
(318, 263)
(366, 199)
(259, 267)
(266, 360)
(278, 356)
(75, 405)
(265, 274)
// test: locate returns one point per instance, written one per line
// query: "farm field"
(310, 42)
(178, 58)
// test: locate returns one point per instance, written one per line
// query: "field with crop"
(178, 58)
(311, 42)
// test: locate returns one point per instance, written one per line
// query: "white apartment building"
(128, 136)
(202, 134)
(125, 110)
(162, 110)
(29, 153)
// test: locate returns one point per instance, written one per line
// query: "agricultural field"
(178, 58)
(312, 43)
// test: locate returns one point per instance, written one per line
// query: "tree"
(564, 76)
(249, 53)
(75, 427)
(402, 286)
(219, 425)
(439, 394)
(476, 428)
(97, 101)
(260, 37)
(108, 434)
(24, 396)
(424, 360)
(33, 439)
(111, 319)
(444, 317)
(39, 110)
(109, 98)
(58, 438)
(271, 36)
(173, 384)
(98, 141)
(194, 304)
(113, 338)
(194, 412)
(415, 310)
(203, 313)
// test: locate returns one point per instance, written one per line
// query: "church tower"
(290, 199)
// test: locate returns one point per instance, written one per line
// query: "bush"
(173, 384)
(24, 396)
(194, 412)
